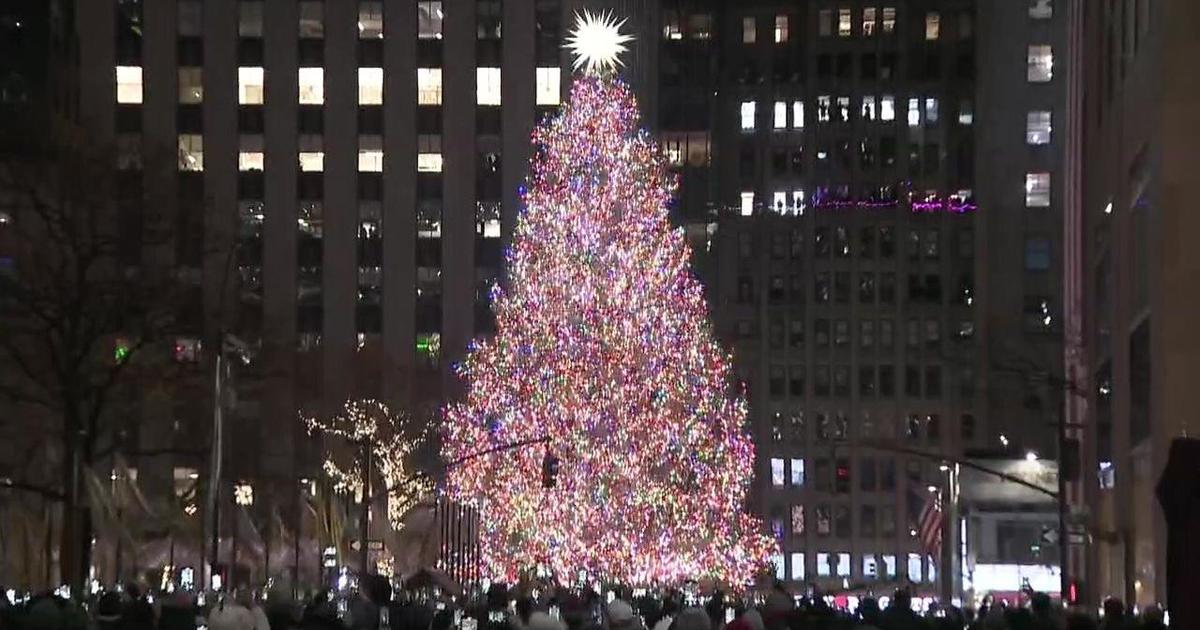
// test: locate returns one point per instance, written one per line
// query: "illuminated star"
(597, 42)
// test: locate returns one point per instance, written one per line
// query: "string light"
(372, 423)
(603, 344)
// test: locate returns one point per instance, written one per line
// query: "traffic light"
(549, 470)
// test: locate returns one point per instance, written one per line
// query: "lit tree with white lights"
(604, 346)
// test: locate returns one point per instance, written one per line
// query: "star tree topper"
(597, 42)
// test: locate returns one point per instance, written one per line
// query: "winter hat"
(620, 614)
(541, 621)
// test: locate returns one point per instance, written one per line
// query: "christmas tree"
(603, 346)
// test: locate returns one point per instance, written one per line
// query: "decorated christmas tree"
(603, 345)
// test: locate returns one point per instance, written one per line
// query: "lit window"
(797, 114)
(931, 110)
(370, 19)
(1037, 190)
(191, 85)
(312, 86)
(429, 86)
(700, 26)
(370, 86)
(370, 154)
(250, 19)
(781, 29)
(797, 471)
(868, 108)
(887, 108)
(747, 115)
(250, 153)
(780, 115)
(487, 86)
(1037, 127)
(825, 23)
(671, 27)
(823, 103)
(549, 86)
(797, 565)
(966, 112)
(311, 154)
(312, 18)
(889, 19)
(889, 565)
(843, 565)
(250, 160)
(776, 471)
(843, 108)
(250, 84)
(429, 154)
(798, 204)
(1041, 64)
(191, 152)
(747, 209)
(1041, 9)
(798, 525)
(868, 21)
(843, 22)
(429, 20)
(914, 112)
(129, 84)
(749, 30)
(779, 201)
(777, 563)
(914, 567)
(823, 568)
(933, 25)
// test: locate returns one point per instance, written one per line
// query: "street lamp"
(1031, 456)
(243, 496)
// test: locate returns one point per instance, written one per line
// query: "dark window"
(310, 119)
(250, 119)
(912, 381)
(933, 381)
(370, 120)
(866, 381)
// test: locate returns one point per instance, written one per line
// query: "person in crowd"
(692, 619)
(136, 612)
(320, 614)
(108, 611)
(177, 612)
(524, 608)
(230, 613)
(899, 614)
(868, 615)
(670, 608)
(1114, 615)
(619, 615)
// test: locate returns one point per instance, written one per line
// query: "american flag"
(929, 525)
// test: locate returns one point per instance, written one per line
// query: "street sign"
(375, 545)
(1049, 535)
(1076, 537)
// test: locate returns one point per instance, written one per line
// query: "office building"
(1132, 278)
(886, 240)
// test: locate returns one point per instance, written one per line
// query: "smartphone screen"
(458, 618)
(728, 615)
(496, 616)
(441, 606)
(554, 612)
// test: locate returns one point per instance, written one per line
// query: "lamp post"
(243, 496)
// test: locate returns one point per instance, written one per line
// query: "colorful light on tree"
(603, 345)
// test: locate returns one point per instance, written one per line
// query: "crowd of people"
(374, 607)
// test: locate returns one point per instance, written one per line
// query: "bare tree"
(78, 315)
